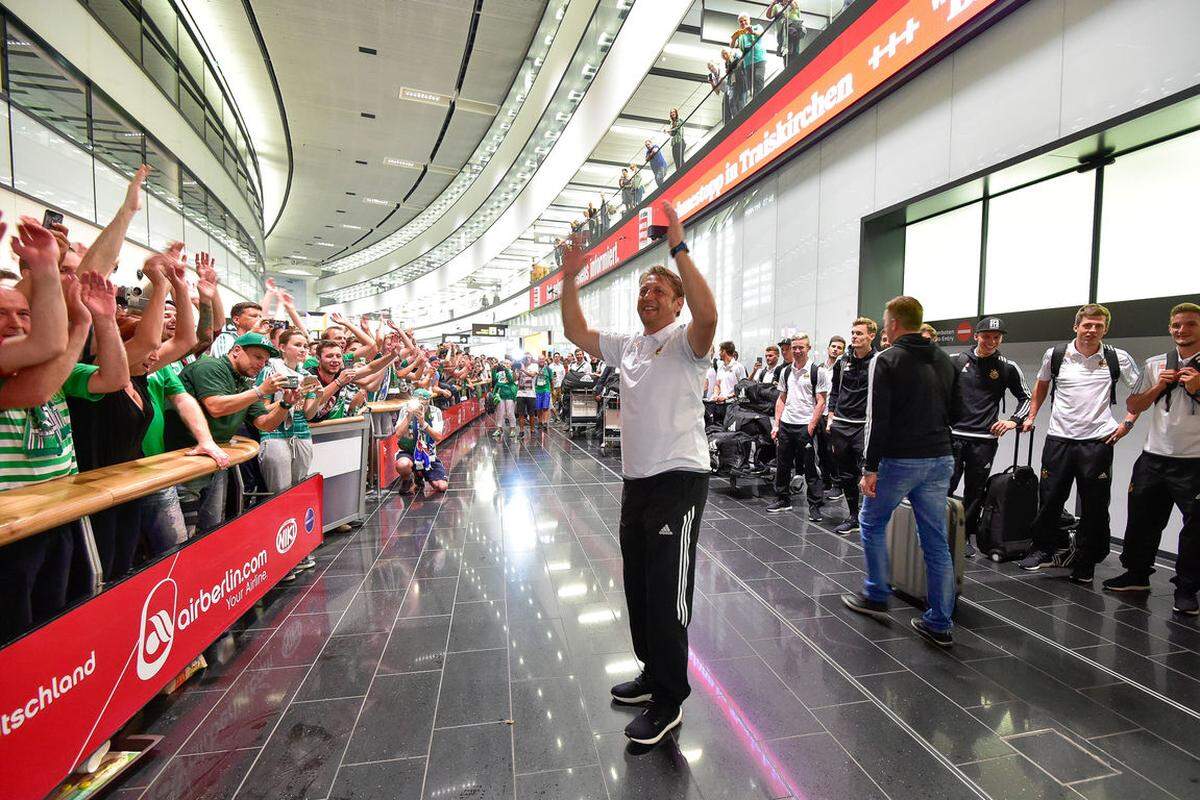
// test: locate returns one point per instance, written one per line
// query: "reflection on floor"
(463, 648)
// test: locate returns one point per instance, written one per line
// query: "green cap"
(256, 340)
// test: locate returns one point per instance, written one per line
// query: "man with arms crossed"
(908, 455)
(848, 414)
(1079, 441)
(665, 465)
(1167, 473)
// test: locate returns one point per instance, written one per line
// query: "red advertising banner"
(71, 684)
(888, 37)
(454, 418)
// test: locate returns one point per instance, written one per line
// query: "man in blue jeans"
(908, 454)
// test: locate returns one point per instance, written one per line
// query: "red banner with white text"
(888, 37)
(72, 683)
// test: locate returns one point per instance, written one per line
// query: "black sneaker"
(834, 494)
(1082, 574)
(969, 550)
(1127, 582)
(653, 723)
(1035, 560)
(633, 692)
(847, 527)
(940, 638)
(779, 505)
(864, 605)
(1185, 603)
(814, 515)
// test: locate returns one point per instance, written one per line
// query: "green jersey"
(504, 383)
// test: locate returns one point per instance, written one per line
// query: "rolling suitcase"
(1009, 506)
(908, 577)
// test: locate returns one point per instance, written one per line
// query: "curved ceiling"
(342, 77)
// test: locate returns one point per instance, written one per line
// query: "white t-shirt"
(1175, 433)
(525, 376)
(559, 371)
(580, 366)
(662, 413)
(800, 403)
(1080, 409)
(711, 382)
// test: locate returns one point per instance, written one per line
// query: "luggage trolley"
(583, 410)
(612, 422)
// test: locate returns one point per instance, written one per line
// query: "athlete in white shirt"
(1167, 473)
(803, 390)
(665, 462)
(1079, 442)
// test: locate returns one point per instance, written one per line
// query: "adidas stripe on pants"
(660, 524)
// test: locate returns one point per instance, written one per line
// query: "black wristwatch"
(1128, 423)
(679, 248)
(285, 405)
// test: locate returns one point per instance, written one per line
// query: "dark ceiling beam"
(657, 121)
(678, 74)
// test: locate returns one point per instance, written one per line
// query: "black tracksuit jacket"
(848, 393)
(908, 402)
(980, 389)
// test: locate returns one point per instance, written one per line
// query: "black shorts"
(525, 407)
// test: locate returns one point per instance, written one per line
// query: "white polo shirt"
(1080, 409)
(711, 381)
(1175, 433)
(662, 412)
(799, 405)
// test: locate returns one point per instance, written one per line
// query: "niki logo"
(157, 632)
(285, 537)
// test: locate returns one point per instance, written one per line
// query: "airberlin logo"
(285, 537)
(157, 632)
(163, 616)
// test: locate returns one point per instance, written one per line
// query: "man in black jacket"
(983, 377)
(848, 414)
(908, 455)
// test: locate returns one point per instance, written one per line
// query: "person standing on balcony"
(748, 40)
(675, 128)
(791, 31)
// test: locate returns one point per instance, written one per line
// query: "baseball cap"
(256, 340)
(990, 325)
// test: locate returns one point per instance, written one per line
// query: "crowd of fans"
(95, 374)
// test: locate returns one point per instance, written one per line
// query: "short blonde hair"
(872, 327)
(1094, 310)
(906, 311)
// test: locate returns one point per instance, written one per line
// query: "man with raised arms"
(665, 466)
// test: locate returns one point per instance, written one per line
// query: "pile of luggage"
(741, 444)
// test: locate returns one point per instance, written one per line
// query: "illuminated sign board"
(489, 330)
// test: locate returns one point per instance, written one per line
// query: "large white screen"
(941, 262)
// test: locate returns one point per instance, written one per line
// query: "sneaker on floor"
(1127, 582)
(834, 494)
(940, 638)
(1185, 603)
(307, 563)
(1082, 574)
(814, 515)
(633, 692)
(847, 527)
(862, 604)
(969, 550)
(1035, 560)
(779, 505)
(654, 723)
(291, 576)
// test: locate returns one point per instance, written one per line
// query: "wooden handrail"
(386, 406)
(329, 423)
(30, 510)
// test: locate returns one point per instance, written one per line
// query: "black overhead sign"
(478, 329)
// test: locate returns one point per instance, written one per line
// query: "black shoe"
(969, 550)
(847, 527)
(834, 494)
(633, 692)
(1035, 561)
(940, 638)
(653, 723)
(779, 505)
(1127, 582)
(814, 515)
(1185, 603)
(864, 605)
(1082, 574)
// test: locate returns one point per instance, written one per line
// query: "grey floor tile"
(214, 776)
(749, 617)
(817, 768)
(344, 668)
(1016, 777)
(392, 574)
(1123, 787)
(397, 780)
(1064, 759)
(1169, 723)
(370, 612)
(429, 597)
(577, 783)
(854, 653)
(478, 626)
(953, 678)
(396, 719)
(550, 726)
(474, 762)
(810, 677)
(244, 716)
(330, 594)
(417, 644)
(1169, 767)
(482, 583)
(474, 689)
(785, 599)
(765, 704)
(539, 649)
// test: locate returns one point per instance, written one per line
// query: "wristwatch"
(285, 405)
(1128, 424)
(679, 248)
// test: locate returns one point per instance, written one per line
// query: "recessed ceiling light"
(423, 96)
(375, 201)
(370, 51)
(360, 161)
(366, 115)
(339, 211)
(350, 227)
(352, 194)
(401, 162)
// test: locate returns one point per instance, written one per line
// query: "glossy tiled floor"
(463, 648)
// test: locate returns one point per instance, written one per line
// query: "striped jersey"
(36, 444)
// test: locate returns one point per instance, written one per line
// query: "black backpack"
(1173, 364)
(1110, 358)
(814, 373)
(756, 396)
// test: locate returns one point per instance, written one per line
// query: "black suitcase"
(1009, 506)
(732, 449)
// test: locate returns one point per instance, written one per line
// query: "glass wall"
(67, 144)
(152, 33)
(1041, 245)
